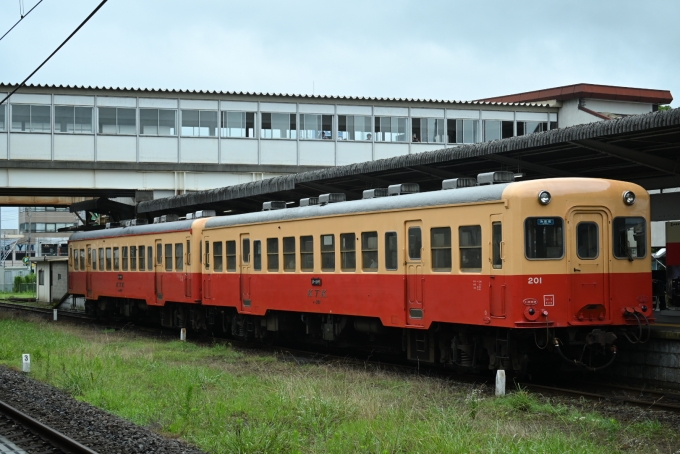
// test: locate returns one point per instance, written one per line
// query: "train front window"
(587, 240)
(630, 238)
(544, 238)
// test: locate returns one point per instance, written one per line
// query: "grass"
(227, 401)
(8, 295)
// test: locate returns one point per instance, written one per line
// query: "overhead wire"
(22, 18)
(55, 51)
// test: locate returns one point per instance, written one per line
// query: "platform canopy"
(644, 149)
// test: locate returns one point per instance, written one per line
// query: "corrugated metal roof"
(8, 86)
(600, 129)
(594, 91)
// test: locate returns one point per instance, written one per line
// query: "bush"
(18, 280)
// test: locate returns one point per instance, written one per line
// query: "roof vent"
(276, 205)
(333, 197)
(404, 188)
(203, 214)
(112, 225)
(373, 193)
(157, 220)
(309, 201)
(169, 218)
(189, 216)
(495, 177)
(455, 183)
(134, 222)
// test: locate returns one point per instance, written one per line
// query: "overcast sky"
(398, 48)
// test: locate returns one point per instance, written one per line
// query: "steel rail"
(55, 438)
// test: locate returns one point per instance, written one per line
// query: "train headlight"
(629, 197)
(544, 197)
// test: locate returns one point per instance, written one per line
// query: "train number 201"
(535, 280)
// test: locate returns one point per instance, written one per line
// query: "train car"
(491, 275)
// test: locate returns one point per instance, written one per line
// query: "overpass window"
(553, 125)
(238, 124)
(168, 257)
(530, 127)
(179, 256)
(327, 252)
(369, 251)
(257, 255)
(391, 251)
(428, 130)
(390, 129)
(158, 122)
(354, 128)
(289, 254)
(199, 123)
(31, 118)
(348, 256)
(470, 245)
(440, 242)
(2, 118)
(231, 255)
(133, 258)
(117, 120)
(73, 119)
(496, 129)
(108, 259)
(142, 264)
(217, 256)
(101, 259)
(316, 126)
(125, 258)
(544, 238)
(272, 254)
(461, 131)
(307, 253)
(278, 126)
(116, 259)
(630, 238)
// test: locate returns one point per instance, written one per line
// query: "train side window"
(496, 240)
(544, 238)
(307, 253)
(82, 259)
(289, 253)
(207, 255)
(133, 258)
(108, 259)
(245, 250)
(217, 256)
(257, 255)
(630, 237)
(159, 254)
(142, 253)
(116, 259)
(440, 243)
(89, 257)
(369, 251)
(179, 256)
(348, 258)
(125, 258)
(101, 259)
(391, 251)
(168, 257)
(587, 240)
(415, 243)
(149, 258)
(470, 245)
(93, 258)
(231, 255)
(327, 252)
(272, 254)
(74, 258)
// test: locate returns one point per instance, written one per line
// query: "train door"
(188, 277)
(88, 271)
(588, 263)
(414, 273)
(245, 272)
(497, 284)
(158, 269)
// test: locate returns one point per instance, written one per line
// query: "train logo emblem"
(530, 302)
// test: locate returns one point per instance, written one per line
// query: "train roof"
(166, 227)
(423, 199)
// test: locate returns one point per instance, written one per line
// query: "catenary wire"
(22, 18)
(55, 51)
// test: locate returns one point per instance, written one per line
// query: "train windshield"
(630, 238)
(544, 238)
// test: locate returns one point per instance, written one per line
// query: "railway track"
(20, 433)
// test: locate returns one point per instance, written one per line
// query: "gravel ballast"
(90, 426)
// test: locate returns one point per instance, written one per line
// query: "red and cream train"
(480, 275)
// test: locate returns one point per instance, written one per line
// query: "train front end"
(581, 264)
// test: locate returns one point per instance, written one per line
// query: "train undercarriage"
(459, 347)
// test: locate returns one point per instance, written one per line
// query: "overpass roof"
(644, 149)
